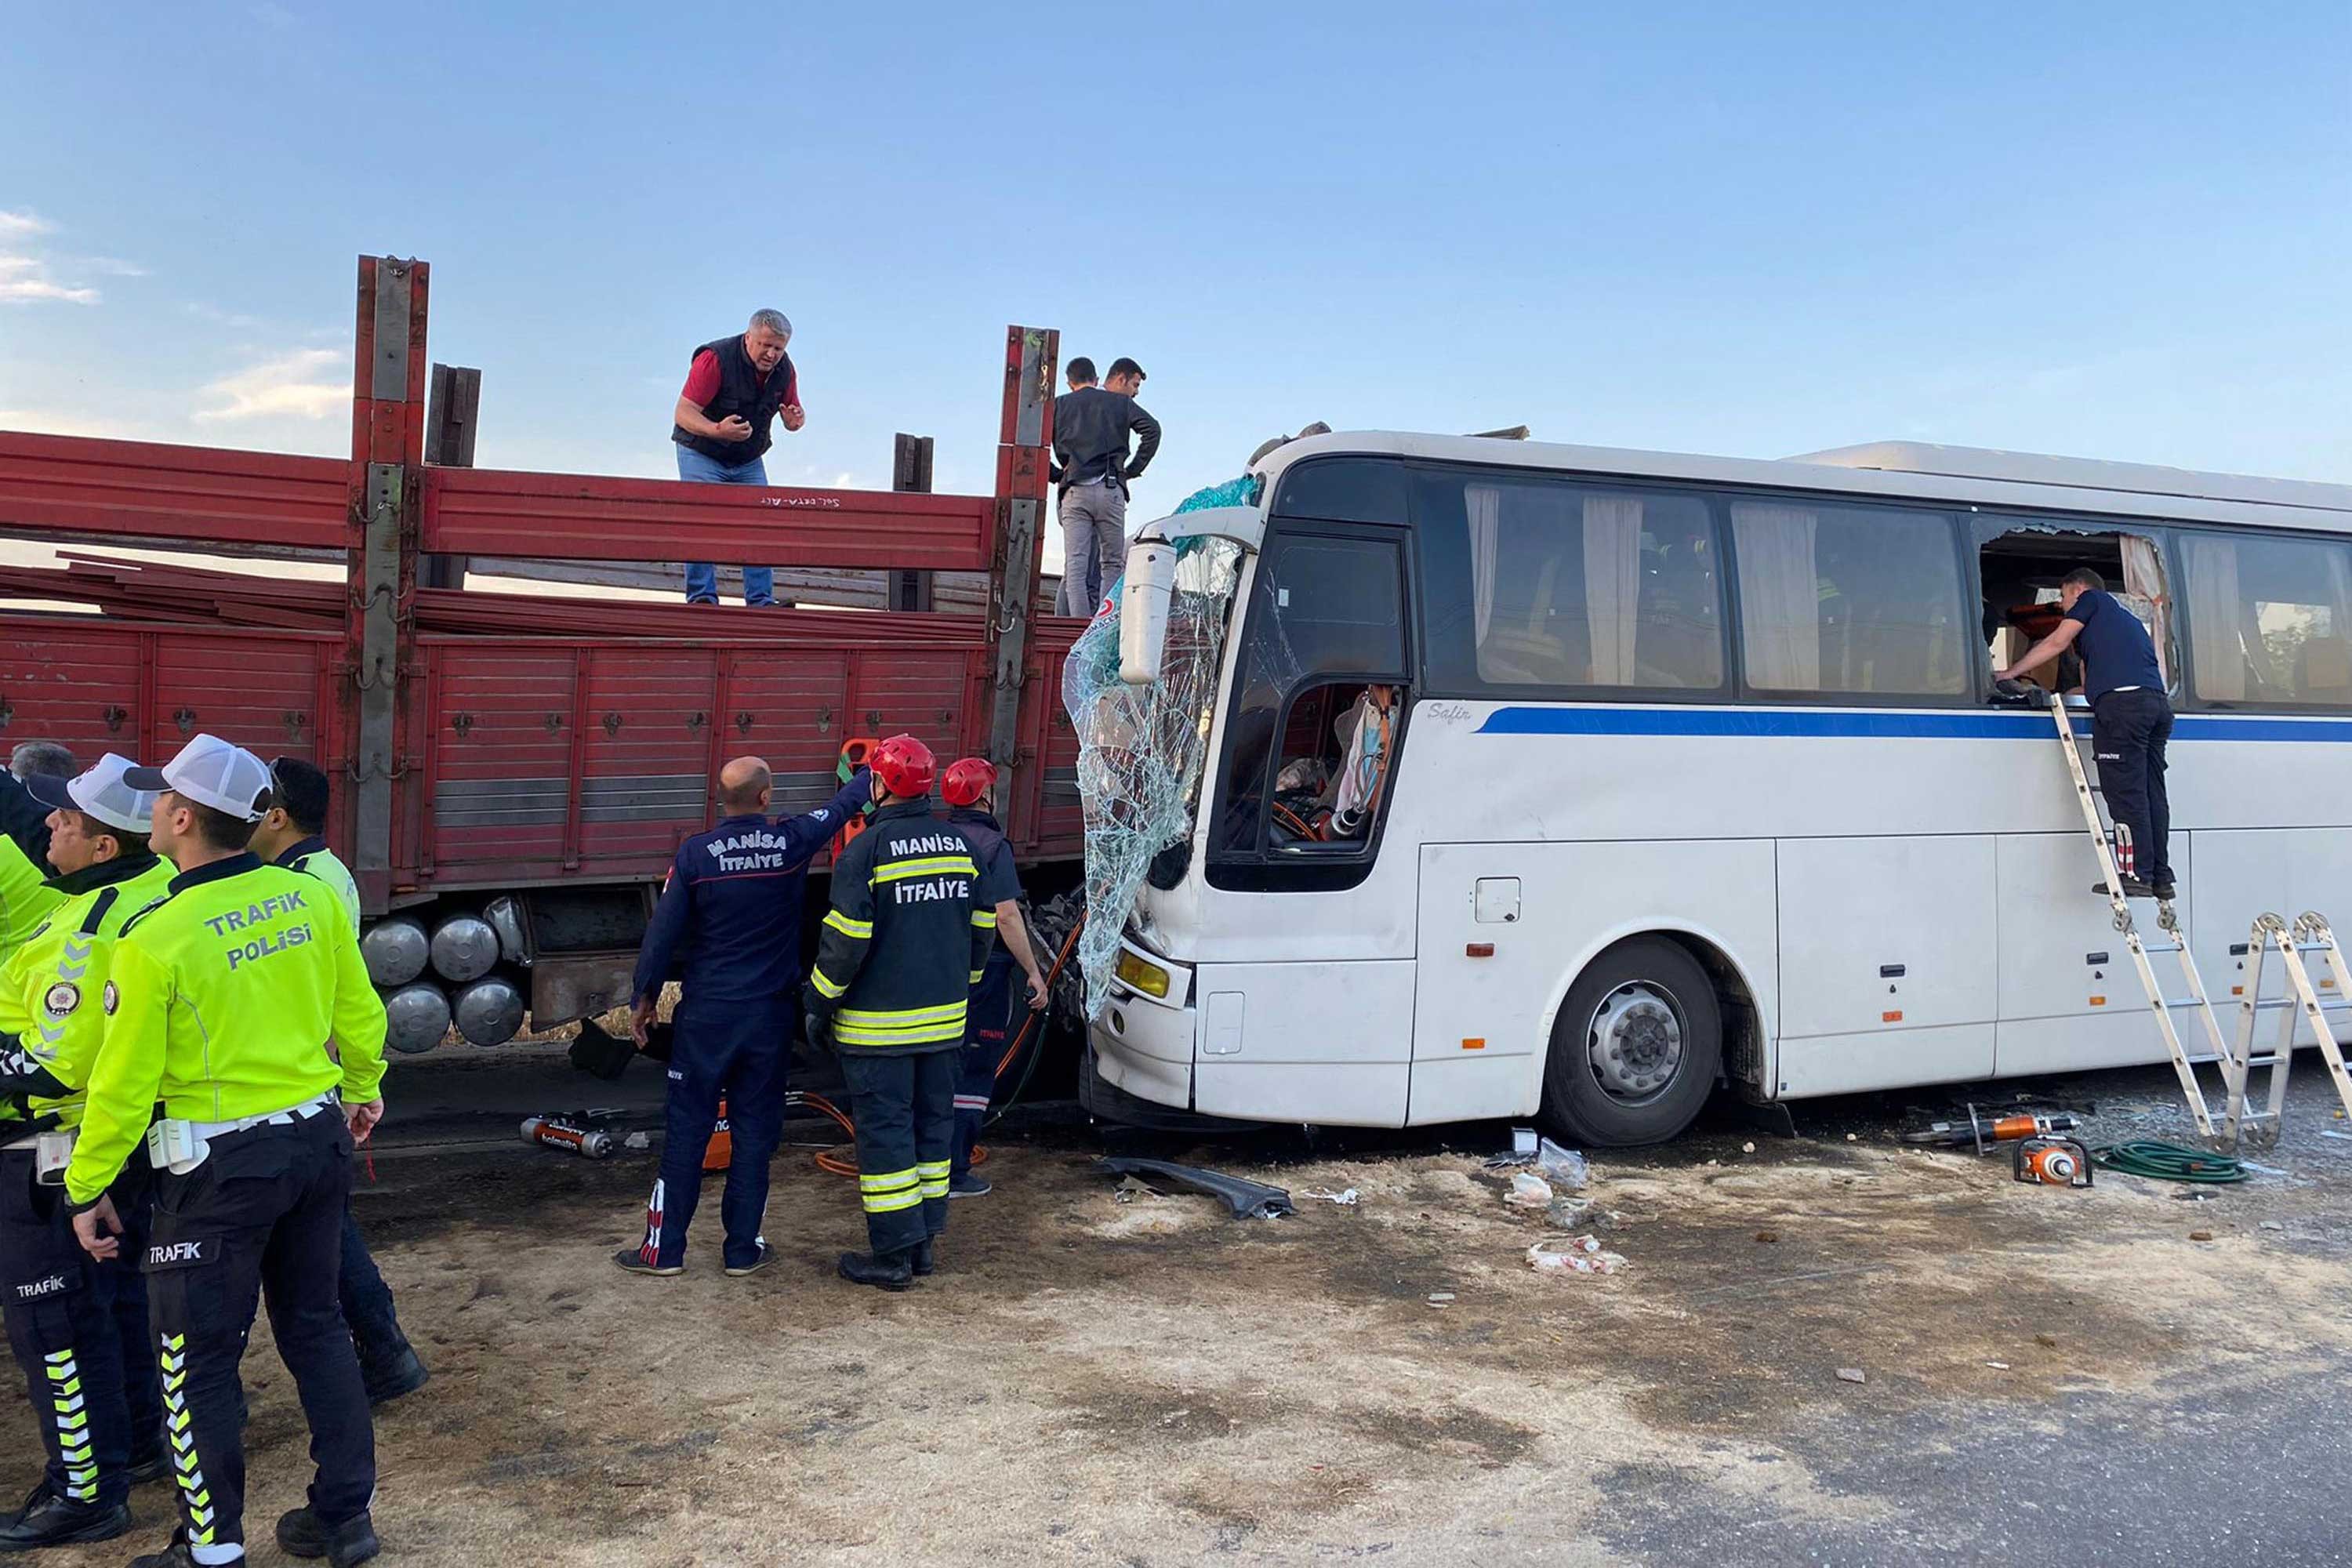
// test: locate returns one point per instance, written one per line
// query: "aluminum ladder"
(2309, 933)
(2174, 941)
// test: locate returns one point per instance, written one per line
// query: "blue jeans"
(702, 576)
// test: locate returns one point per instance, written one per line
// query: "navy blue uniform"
(987, 1023)
(729, 917)
(2131, 720)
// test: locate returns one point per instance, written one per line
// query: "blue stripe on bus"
(1817, 723)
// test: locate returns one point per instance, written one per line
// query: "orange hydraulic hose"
(843, 1161)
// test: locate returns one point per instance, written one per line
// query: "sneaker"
(2133, 889)
(58, 1522)
(737, 1271)
(923, 1263)
(304, 1535)
(401, 1374)
(970, 1186)
(33, 1499)
(890, 1271)
(2167, 891)
(632, 1260)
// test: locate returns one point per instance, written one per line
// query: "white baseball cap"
(103, 791)
(211, 771)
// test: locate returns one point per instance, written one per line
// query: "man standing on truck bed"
(293, 834)
(912, 922)
(2131, 720)
(732, 912)
(734, 388)
(1091, 428)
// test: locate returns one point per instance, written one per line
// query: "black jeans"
(2128, 729)
(264, 1213)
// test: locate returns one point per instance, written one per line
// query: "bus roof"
(1907, 469)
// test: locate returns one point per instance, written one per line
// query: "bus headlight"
(1142, 975)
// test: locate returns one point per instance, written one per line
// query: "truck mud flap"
(1247, 1200)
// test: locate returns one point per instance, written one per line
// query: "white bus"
(1696, 779)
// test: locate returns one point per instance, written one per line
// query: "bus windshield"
(1140, 748)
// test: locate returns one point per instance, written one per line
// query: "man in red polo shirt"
(734, 389)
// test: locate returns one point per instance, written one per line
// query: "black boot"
(400, 1373)
(304, 1535)
(890, 1271)
(59, 1522)
(922, 1264)
(176, 1555)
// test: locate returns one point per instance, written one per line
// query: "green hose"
(2168, 1162)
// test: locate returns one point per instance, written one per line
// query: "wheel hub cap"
(1635, 1042)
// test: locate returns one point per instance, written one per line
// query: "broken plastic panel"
(1141, 747)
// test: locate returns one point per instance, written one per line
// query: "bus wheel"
(1635, 1047)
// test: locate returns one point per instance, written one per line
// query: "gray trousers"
(1094, 545)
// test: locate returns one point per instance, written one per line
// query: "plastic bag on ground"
(1573, 1255)
(1565, 1167)
(1528, 1191)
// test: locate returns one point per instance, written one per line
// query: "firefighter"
(293, 834)
(912, 920)
(78, 1326)
(731, 911)
(221, 1001)
(969, 789)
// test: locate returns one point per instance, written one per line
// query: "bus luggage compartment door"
(1328, 1043)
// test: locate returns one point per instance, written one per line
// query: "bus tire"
(1635, 1048)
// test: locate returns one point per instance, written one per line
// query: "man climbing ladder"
(2131, 720)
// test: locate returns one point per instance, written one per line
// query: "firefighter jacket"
(729, 922)
(221, 1002)
(913, 918)
(51, 986)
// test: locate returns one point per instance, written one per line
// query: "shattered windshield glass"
(1140, 748)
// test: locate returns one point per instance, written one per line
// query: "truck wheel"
(1635, 1047)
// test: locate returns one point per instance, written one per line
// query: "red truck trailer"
(527, 761)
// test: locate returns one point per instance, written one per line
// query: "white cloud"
(113, 265)
(288, 385)
(54, 422)
(24, 222)
(25, 280)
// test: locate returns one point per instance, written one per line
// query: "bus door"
(1307, 998)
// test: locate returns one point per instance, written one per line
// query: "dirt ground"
(1092, 1381)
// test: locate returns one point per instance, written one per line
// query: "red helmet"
(905, 765)
(968, 779)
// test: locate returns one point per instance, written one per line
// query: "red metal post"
(1022, 457)
(387, 480)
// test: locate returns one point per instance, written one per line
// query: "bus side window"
(1325, 623)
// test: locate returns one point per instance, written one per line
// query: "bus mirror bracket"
(1149, 585)
(1243, 525)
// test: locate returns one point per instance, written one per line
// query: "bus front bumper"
(1143, 1046)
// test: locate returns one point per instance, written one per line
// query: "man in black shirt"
(2131, 720)
(1091, 428)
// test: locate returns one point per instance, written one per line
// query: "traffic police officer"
(25, 899)
(221, 1001)
(293, 834)
(731, 911)
(969, 788)
(78, 1326)
(907, 937)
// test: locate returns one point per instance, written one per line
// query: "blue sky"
(2108, 230)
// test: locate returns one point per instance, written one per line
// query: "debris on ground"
(1247, 1200)
(1851, 1375)
(1767, 1236)
(1573, 1255)
(1571, 1211)
(1562, 1167)
(1347, 1199)
(2200, 1235)
(1528, 1191)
